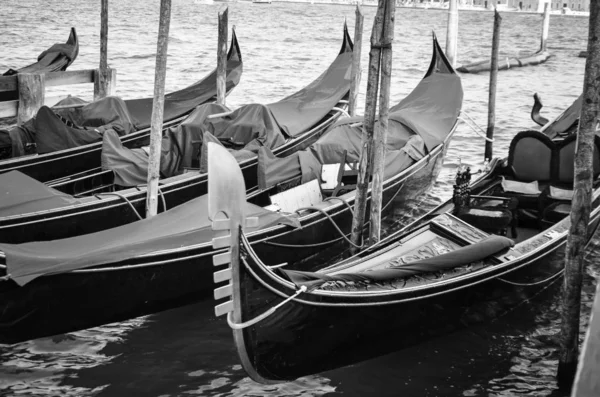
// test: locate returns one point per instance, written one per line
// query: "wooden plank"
(9, 108)
(8, 83)
(55, 79)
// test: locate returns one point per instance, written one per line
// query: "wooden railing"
(31, 88)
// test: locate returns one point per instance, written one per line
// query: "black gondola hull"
(105, 214)
(314, 334)
(61, 303)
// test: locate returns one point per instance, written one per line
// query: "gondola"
(163, 262)
(62, 142)
(479, 254)
(56, 58)
(40, 213)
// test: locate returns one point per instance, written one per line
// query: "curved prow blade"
(535, 111)
(226, 188)
(439, 63)
(234, 53)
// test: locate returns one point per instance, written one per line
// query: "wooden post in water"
(222, 57)
(356, 54)
(367, 139)
(589, 124)
(493, 82)
(103, 77)
(380, 134)
(32, 90)
(452, 32)
(587, 382)
(545, 27)
(158, 108)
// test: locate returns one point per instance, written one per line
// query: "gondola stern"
(73, 40)
(234, 54)
(347, 44)
(439, 61)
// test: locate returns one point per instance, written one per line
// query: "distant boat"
(261, 1)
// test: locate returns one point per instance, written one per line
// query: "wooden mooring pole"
(32, 90)
(104, 77)
(452, 32)
(158, 108)
(222, 57)
(589, 124)
(545, 27)
(367, 139)
(356, 54)
(587, 381)
(380, 133)
(492, 90)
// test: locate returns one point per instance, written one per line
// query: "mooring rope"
(322, 211)
(476, 129)
(534, 283)
(160, 193)
(266, 314)
(124, 199)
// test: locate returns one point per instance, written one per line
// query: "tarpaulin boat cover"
(51, 134)
(299, 112)
(459, 257)
(243, 131)
(417, 124)
(20, 194)
(183, 226)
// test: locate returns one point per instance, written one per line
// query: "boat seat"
(491, 214)
(347, 176)
(530, 156)
(305, 195)
(566, 159)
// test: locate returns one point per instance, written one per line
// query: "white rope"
(265, 314)
(474, 126)
(341, 111)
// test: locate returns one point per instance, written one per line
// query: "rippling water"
(189, 352)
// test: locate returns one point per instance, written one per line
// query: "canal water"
(187, 351)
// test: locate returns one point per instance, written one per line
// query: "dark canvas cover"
(180, 146)
(417, 124)
(243, 131)
(297, 113)
(460, 257)
(183, 226)
(20, 194)
(183, 101)
(51, 134)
